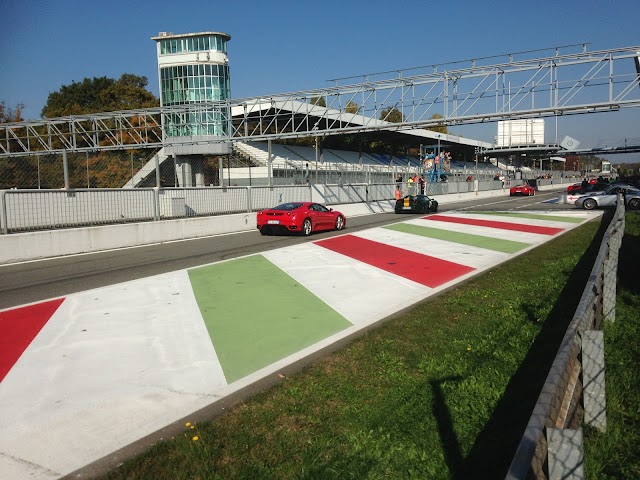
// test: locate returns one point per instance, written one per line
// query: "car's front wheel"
(306, 227)
(339, 223)
(634, 204)
(589, 204)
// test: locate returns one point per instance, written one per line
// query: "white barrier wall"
(22, 247)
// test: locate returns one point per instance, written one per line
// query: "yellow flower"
(195, 439)
(188, 424)
(468, 349)
(192, 427)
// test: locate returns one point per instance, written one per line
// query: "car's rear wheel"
(634, 204)
(339, 223)
(424, 208)
(589, 204)
(306, 227)
(264, 231)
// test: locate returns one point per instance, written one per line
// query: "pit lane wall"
(21, 247)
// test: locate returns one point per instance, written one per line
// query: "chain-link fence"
(137, 168)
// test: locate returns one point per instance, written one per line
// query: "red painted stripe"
(494, 224)
(18, 328)
(423, 269)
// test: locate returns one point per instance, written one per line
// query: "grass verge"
(442, 391)
(615, 453)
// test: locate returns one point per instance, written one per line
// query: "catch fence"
(573, 393)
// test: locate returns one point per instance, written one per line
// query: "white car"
(605, 198)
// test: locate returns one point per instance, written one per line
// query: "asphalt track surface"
(135, 337)
(38, 280)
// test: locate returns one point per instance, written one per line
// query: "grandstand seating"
(298, 156)
(302, 159)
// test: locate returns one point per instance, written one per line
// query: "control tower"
(193, 69)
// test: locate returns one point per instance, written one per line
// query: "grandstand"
(305, 164)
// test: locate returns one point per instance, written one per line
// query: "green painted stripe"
(534, 216)
(256, 314)
(489, 243)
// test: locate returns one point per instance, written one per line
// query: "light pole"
(476, 176)
(315, 129)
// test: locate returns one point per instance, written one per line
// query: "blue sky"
(283, 46)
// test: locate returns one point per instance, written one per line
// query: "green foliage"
(391, 114)
(8, 114)
(320, 101)
(440, 128)
(100, 95)
(352, 107)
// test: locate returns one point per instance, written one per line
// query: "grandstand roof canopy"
(325, 121)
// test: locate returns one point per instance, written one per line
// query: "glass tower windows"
(202, 43)
(193, 84)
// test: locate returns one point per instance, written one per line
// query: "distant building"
(520, 132)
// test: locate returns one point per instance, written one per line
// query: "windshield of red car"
(288, 206)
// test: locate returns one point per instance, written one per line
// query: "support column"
(184, 171)
(269, 163)
(197, 164)
(65, 168)
(565, 454)
(593, 379)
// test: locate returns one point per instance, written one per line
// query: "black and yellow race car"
(416, 204)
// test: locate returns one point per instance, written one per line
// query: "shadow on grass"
(629, 258)
(495, 446)
(448, 437)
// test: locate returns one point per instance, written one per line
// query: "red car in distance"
(524, 189)
(299, 217)
(574, 188)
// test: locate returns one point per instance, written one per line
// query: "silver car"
(605, 198)
(632, 200)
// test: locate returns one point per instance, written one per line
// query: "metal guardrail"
(559, 407)
(23, 210)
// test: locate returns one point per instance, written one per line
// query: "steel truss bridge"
(561, 81)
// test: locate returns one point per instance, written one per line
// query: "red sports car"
(523, 189)
(574, 188)
(299, 217)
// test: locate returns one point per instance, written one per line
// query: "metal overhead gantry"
(519, 85)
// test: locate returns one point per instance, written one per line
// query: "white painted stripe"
(109, 367)
(363, 294)
(474, 257)
(525, 237)
(549, 222)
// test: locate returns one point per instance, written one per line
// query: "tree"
(8, 114)
(100, 95)
(352, 107)
(392, 114)
(439, 128)
(320, 101)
